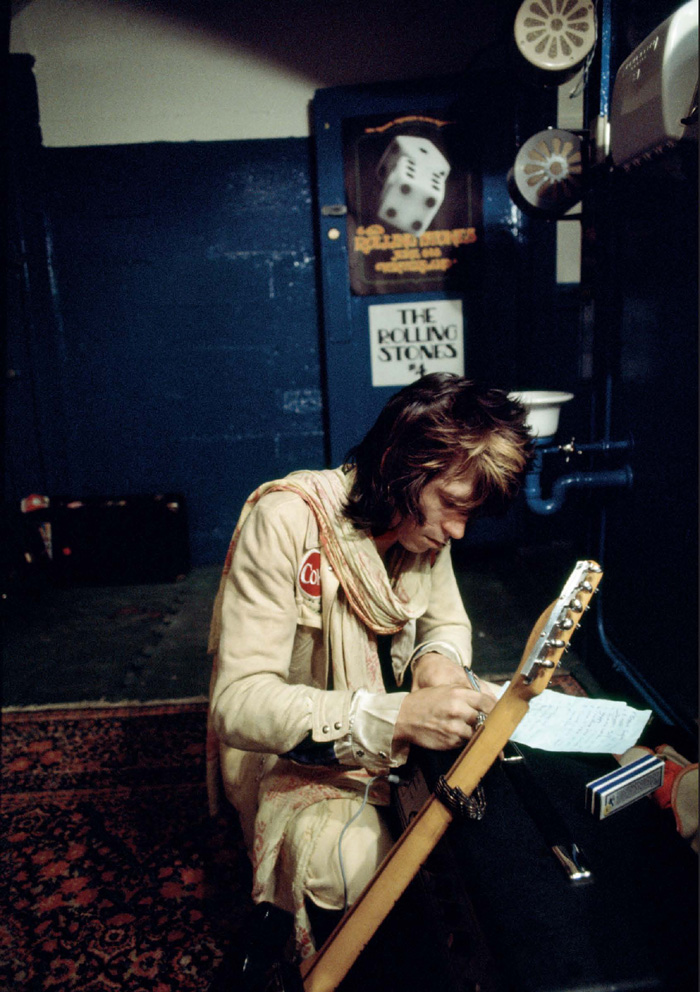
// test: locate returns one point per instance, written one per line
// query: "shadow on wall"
(349, 42)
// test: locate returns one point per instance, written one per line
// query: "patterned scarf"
(384, 603)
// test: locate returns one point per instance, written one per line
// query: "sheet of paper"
(557, 722)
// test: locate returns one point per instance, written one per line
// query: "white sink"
(543, 406)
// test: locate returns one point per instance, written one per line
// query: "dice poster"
(413, 202)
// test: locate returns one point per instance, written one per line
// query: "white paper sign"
(408, 340)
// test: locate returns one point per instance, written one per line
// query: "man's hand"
(435, 669)
(440, 717)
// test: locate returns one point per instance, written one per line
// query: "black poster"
(413, 203)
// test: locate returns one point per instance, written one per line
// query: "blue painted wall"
(166, 321)
(187, 287)
(184, 334)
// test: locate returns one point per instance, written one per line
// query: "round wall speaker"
(556, 36)
(547, 175)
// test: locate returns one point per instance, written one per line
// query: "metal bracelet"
(458, 802)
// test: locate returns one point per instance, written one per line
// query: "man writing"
(337, 584)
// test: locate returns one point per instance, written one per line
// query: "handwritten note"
(556, 722)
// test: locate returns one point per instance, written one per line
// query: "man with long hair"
(340, 639)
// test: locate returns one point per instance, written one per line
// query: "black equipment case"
(510, 918)
(114, 540)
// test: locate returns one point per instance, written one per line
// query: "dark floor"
(109, 643)
(148, 642)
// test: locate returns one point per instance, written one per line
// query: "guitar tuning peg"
(565, 624)
(586, 586)
(546, 663)
(576, 606)
(556, 643)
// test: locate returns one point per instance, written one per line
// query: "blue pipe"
(601, 446)
(602, 478)
(605, 52)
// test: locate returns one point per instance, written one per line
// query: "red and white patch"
(309, 575)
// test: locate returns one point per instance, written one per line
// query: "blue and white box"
(612, 792)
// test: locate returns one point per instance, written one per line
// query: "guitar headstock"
(554, 629)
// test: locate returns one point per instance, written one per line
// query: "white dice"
(413, 172)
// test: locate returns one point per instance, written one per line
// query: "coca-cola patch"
(309, 575)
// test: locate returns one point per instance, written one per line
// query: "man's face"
(446, 504)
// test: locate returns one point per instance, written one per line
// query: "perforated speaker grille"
(555, 35)
(548, 171)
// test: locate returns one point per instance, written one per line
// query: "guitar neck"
(325, 971)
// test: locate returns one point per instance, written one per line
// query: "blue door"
(421, 248)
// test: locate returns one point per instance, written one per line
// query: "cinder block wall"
(185, 282)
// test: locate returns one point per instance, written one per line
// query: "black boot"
(255, 950)
(323, 921)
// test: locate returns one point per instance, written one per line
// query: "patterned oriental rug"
(116, 879)
(115, 876)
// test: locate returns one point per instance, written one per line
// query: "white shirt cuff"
(369, 741)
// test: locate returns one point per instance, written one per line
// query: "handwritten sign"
(409, 340)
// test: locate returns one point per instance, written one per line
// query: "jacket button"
(382, 754)
(337, 725)
(360, 754)
(326, 730)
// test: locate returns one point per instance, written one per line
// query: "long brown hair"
(443, 423)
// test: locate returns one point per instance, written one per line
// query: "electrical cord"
(394, 780)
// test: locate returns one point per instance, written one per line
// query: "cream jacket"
(270, 687)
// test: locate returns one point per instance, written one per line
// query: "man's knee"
(335, 872)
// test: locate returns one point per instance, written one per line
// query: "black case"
(118, 540)
(512, 921)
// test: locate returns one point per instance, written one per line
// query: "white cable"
(391, 778)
